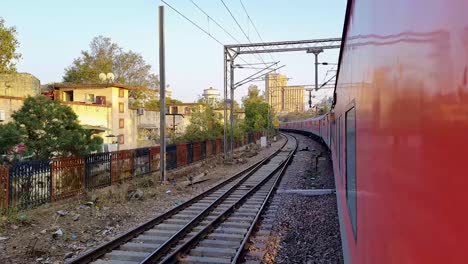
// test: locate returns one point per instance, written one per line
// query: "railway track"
(213, 227)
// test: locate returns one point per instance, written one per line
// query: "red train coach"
(398, 132)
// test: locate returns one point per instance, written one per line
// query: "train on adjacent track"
(398, 132)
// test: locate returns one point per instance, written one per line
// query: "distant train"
(398, 132)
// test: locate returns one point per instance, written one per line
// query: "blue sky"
(53, 32)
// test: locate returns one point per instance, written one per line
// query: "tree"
(105, 56)
(50, 129)
(9, 137)
(203, 125)
(8, 46)
(257, 114)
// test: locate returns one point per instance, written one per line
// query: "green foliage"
(142, 97)
(239, 129)
(50, 129)
(9, 137)
(8, 46)
(203, 125)
(128, 67)
(257, 114)
(324, 109)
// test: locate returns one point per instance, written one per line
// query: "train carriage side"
(398, 132)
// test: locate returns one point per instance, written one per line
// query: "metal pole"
(316, 72)
(268, 94)
(225, 106)
(232, 109)
(162, 100)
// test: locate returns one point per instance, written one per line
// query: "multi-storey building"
(14, 88)
(292, 98)
(281, 97)
(273, 84)
(101, 107)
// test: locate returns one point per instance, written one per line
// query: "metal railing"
(27, 184)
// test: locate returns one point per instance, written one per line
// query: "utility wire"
(256, 30)
(325, 83)
(240, 27)
(209, 17)
(199, 27)
(326, 74)
(193, 23)
(219, 25)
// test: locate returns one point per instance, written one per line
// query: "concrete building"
(101, 107)
(147, 122)
(281, 97)
(14, 88)
(184, 108)
(292, 99)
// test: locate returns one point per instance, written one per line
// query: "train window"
(351, 184)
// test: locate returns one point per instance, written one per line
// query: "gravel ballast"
(305, 229)
(55, 232)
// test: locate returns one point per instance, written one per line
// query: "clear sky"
(53, 32)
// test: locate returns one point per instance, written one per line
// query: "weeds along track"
(213, 227)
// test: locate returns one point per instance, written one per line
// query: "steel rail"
(107, 247)
(268, 198)
(168, 244)
(174, 256)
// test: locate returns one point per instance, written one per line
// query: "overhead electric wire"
(253, 24)
(240, 27)
(221, 27)
(199, 27)
(325, 83)
(193, 23)
(326, 74)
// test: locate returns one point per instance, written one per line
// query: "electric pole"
(162, 100)
(316, 52)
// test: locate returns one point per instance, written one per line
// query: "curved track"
(213, 227)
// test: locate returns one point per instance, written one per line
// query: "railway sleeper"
(139, 247)
(213, 252)
(219, 243)
(230, 230)
(226, 237)
(100, 261)
(126, 255)
(204, 260)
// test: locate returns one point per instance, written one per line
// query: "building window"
(68, 96)
(121, 93)
(90, 98)
(121, 139)
(121, 123)
(121, 107)
(351, 183)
